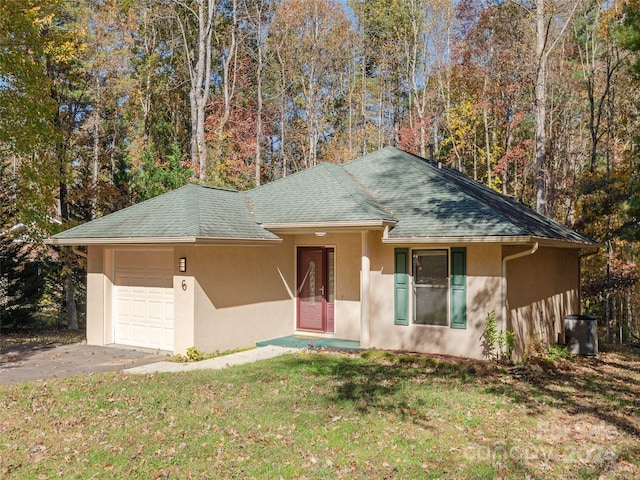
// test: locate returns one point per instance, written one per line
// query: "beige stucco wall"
(98, 304)
(184, 294)
(237, 296)
(542, 289)
(483, 296)
(231, 297)
(240, 295)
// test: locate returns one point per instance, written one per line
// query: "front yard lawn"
(328, 415)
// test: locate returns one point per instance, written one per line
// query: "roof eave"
(331, 226)
(506, 239)
(163, 241)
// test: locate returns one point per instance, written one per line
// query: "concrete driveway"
(21, 364)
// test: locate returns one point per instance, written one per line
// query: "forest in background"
(105, 103)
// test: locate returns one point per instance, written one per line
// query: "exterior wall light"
(320, 234)
(182, 266)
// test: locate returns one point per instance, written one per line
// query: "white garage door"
(143, 298)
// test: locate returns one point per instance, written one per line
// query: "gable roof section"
(324, 194)
(189, 214)
(438, 202)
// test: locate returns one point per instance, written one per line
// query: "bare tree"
(195, 20)
(256, 15)
(545, 18)
(312, 40)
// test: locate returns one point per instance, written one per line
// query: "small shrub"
(490, 335)
(550, 358)
(497, 344)
(194, 355)
(559, 352)
(510, 337)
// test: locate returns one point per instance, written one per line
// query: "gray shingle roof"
(325, 193)
(192, 211)
(416, 197)
(429, 201)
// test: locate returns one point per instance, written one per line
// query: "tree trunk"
(258, 155)
(96, 151)
(363, 96)
(505, 170)
(229, 67)
(444, 89)
(283, 112)
(487, 140)
(66, 254)
(193, 142)
(199, 66)
(540, 108)
(542, 54)
(69, 294)
(475, 154)
(145, 100)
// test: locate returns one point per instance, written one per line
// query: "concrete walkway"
(218, 363)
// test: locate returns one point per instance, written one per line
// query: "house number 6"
(184, 285)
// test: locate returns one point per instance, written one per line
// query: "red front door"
(315, 289)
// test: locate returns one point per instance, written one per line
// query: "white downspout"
(364, 291)
(533, 250)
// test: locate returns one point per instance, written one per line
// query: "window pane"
(431, 305)
(331, 283)
(430, 267)
(430, 273)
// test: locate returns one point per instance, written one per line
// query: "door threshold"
(314, 334)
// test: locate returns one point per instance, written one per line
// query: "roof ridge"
(366, 191)
(281, 179)
(198, 213)
(214, 187)
(365, 206)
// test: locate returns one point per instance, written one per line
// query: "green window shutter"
(458, 287)
(401, 284)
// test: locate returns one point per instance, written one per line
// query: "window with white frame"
(430, 287)
(437, 279)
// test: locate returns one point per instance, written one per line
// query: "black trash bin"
(581, 334)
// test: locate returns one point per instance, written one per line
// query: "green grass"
(326, 415)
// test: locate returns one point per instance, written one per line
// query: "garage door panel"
(155, 335)
(124, 333)
(157, 312)
(138, 309)
(144, 298)
(138, 335)
(162, 293)
(140, 282)
(122, 304)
